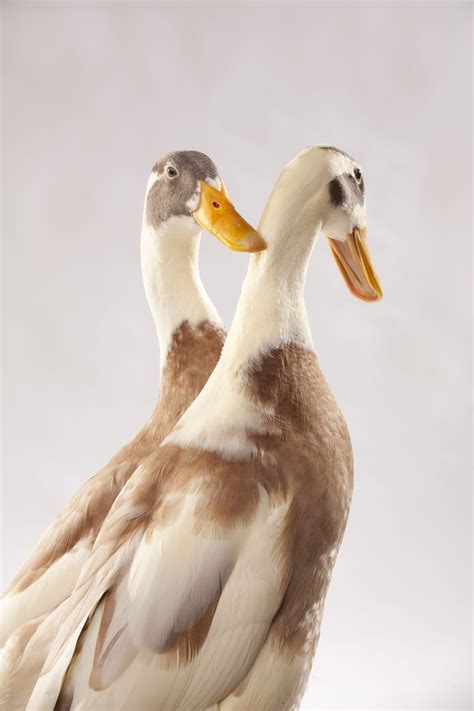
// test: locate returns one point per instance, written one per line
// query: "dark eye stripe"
(336, 192)
(345, 190)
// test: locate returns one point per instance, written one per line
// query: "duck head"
(322, 190)
(186, 194)
(345, 226)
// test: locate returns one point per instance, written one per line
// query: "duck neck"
(270, 314)
(171, 278)
(271, 311)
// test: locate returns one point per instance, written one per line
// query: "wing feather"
(50, 572)
(175, 613)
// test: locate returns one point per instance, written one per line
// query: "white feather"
(171, 278)
(172, 575)
(44, 593)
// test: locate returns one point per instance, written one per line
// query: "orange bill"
(352, 258)
(218, 216)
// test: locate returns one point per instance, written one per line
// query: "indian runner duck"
(184, 194)
(206, 584)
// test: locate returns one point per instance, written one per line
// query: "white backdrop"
(94, 93)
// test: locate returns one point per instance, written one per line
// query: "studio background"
(93, 94)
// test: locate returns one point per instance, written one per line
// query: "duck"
(184, 194)
(206, 584)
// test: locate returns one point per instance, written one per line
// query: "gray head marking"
(179, 173)
(336, 150)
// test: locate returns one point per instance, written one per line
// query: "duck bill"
(218, 216)
(352, 258)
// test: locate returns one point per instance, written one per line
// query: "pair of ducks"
(191, 572)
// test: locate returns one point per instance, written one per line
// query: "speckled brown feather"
(193, 354)
(306, 461)
(314, 451)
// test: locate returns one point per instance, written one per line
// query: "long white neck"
(271, 312)
(171, 278)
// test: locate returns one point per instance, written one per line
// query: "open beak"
(218, 216)
(352, 258)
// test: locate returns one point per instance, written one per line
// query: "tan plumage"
(206, 584)
(193, 354)
(191, 339)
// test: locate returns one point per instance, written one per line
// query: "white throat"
(271, 312)
(174, 290)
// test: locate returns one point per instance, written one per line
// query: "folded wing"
(170, 610)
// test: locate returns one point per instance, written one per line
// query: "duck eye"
(357, 174)
(171, 172)
(216, 204)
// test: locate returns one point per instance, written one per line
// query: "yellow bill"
(352, 258)
(218, 216)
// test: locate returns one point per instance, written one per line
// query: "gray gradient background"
(93, 94)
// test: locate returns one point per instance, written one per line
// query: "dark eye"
(357, 174)
(216, 204)
(171, 172)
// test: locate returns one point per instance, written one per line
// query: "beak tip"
(259, 243)
(371, 298)
(253, 242)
